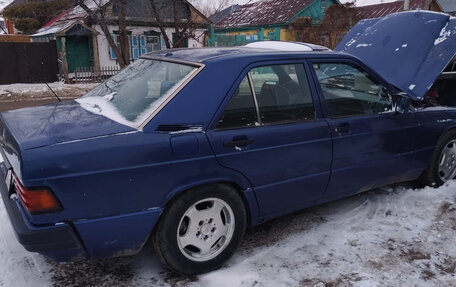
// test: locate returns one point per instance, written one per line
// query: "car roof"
(206, 55)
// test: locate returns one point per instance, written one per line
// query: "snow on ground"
(14, 92)
(388, 237)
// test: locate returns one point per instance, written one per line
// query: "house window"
(152, 43)
(116, 39)
(323, 4)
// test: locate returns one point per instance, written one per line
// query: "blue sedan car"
(187, 148)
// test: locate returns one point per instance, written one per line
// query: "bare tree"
(212, 7)
(98, 16)
(338, 20)
(179, 14)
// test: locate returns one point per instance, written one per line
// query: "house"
(4, 4)
(81, 43)
(266, 20)
(217, 17)
(447, 6)
(384, 9)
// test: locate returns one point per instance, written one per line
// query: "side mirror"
(401, 102)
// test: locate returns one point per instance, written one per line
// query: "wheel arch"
(246, 193)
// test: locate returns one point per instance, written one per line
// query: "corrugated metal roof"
(381, 10)
(447, 6)
(263, 13)
(217, 17)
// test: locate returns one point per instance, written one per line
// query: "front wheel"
(443, 163)
(200, 229)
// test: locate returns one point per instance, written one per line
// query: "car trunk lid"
(47, 125)
(409, 49)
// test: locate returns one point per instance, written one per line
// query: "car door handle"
(342, 128)
(238, 142)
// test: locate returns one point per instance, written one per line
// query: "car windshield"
(134, 94)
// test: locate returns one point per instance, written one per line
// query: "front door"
(372, 142)
(268, 131)
(78, 52)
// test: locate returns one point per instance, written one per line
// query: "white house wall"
(103, 45)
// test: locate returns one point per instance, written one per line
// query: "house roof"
(263, 13)
(137, 10)
(448, 6)
(381, 10)
(217, 17)
(68, 19)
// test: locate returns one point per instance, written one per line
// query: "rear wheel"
(200, 229)
(443, 163)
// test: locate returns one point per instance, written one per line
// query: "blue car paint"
(424, 44)
(51, 124)
(113, 180)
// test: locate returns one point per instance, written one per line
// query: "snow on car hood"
(409, 49)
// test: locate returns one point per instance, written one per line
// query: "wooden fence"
(94, 75)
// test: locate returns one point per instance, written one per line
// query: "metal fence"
(28, 62)
(94, 75)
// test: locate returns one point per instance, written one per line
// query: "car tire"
(200, 229)
(443, 162)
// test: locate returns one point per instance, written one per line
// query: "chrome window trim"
(199, 66)
(255, 101)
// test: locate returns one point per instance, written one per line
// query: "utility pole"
(406, 5)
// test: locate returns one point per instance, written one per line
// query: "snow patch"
(404, 45)
(280, 46)
(187, 131)
(363, 45)
(351, 42)
(444, 34)
(411, 87)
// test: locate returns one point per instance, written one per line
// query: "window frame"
(356, 64)
(246, 73)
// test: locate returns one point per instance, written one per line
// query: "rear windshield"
(134, 94)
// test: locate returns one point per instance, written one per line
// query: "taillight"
(36, 200)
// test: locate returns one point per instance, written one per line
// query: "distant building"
(217, 17)
(265, 20)
(447, 6)
(9, 25)
(384, 9)
(81, 44)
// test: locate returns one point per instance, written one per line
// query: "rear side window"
(280, 94)
(240, 111)
(283, 93)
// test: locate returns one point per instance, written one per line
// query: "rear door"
(268, 129)
(372, 143)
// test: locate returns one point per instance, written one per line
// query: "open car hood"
(409, 49)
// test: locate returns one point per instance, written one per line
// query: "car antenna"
(42, 63)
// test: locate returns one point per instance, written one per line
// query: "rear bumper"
(118, 235)
(58, 242)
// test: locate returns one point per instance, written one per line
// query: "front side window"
(350, 91)
(134, 94)
(280, 94)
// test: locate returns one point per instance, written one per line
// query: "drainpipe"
(406, 5)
